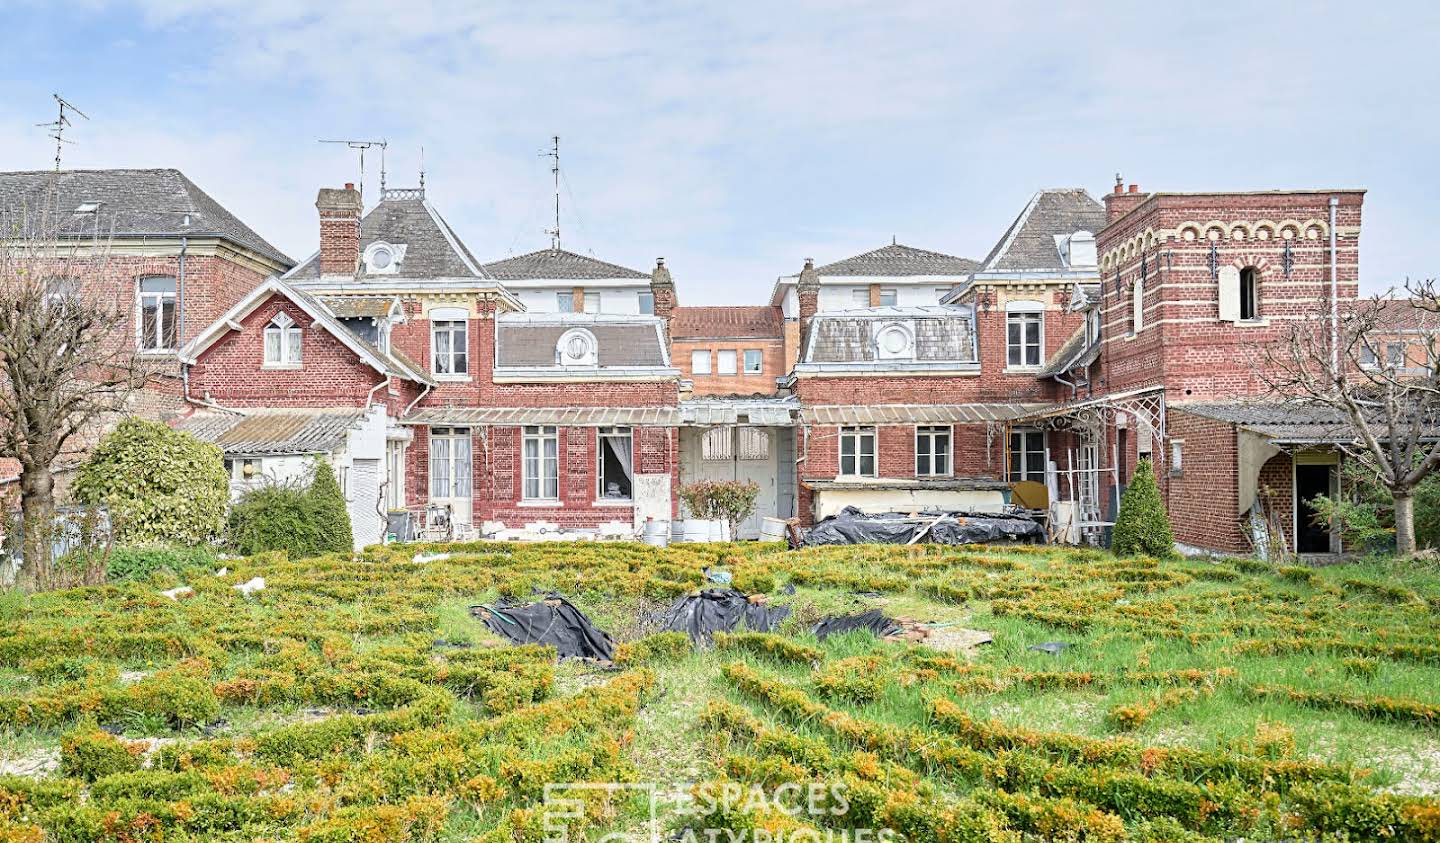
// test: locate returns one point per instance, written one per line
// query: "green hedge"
(305, 521)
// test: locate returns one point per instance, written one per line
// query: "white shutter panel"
(1229, 294)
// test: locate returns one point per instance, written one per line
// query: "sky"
(737, 138)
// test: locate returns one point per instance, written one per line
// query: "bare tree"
(1376, 374)
(67, 363)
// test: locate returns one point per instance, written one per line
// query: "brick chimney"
(1121, 201)
(807, 291)
(663, 289)
(339, 229)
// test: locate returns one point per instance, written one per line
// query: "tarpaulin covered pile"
(721, 610)
(874, 620)
(553, 621)
(852, 526)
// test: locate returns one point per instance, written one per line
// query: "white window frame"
(758, 356)
(1249, 299)
(450, 474)
(927, 435)
(395, 474)
(1020, 468)
(592, 301)
(891, 293)
(614, 434)
(1031, 350)
(1177, 457)
(576, 340)
(645, 302)
(283, 342)
(565, 302)
(861, 442)
(695, 357)
(157, 299)
(454, 362)
(540, 470)
(723, 355)
(1137, 307)
(860, 297)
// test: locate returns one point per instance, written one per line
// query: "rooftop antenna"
(554, 155)
(422, 168)
(361, 146)
(57, 128)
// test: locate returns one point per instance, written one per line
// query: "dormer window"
(383, 258)
(895, 341)
(576, 348)
(282, 342)
(1078, 249)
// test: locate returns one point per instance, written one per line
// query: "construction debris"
(852, 526)
(553, 621)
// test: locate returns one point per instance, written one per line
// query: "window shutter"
(1229, 294)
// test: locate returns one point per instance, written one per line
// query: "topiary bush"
(161, 486)
(138, 563)
(327, 502)
(88, 753)
(1142, 528)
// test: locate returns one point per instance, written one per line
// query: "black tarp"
(554, 621)
(874, 620)
(720, 610)
(851, 526)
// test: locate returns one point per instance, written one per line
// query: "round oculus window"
(577, 347)
(381, 258)
(894, 340)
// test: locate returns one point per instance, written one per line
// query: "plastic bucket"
(773, 530)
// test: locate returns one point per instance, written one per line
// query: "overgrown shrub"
(162, 486)
(138, 563)
(1364, 510)
(303, 520)
(730, 501)
(1142, 528)
(88, 753)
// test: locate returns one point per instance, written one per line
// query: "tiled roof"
(405, 218)
(727, 322)
(1401, 314)
(130, 203)
(275, 432)
(1072, 355)
(898, 260)
(558, 263)
(1029, 242)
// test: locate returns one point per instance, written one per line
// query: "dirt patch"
(955, 639)
(41, 762)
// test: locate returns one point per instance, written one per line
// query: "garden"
(357, 698)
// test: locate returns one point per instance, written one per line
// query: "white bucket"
(695, 530)
(657, 533)
(773, 530)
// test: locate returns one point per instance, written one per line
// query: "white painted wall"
(840, 296)
(612, 299)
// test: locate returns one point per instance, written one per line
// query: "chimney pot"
(1134, 188)
(659, 261)
(349, 185)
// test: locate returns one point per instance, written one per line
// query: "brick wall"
(1202, 499)
(772, 365)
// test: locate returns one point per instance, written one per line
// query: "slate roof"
(358, 307)
(898, 260)
(1073, 354)
(1029, 242)
(1280, 422)
(727, 322)
(942, 334)
(131, 203)
(405, 217)
(528, 340)
(275, 432)
(558, 263)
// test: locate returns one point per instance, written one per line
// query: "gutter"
(370, 396)
(418, 399)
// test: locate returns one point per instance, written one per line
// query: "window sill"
(540, 504)
(616, 503)
(283, 367)
(451, 378)
(158, 352)
(1022, 370)
(1251, 323)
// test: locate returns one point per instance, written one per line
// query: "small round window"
(894, 341)
(577, 347)
(381, 258)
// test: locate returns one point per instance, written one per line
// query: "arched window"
(1249, 293)
(282, 342)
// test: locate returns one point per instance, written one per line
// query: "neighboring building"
(729, 350)
(556, 281)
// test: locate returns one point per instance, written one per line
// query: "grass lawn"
(356, 699)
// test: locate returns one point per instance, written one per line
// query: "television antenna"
(360, 146)
(62, 122)
(554, 156)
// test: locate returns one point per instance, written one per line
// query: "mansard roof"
(558, 264)
(527, 345)
(1030, 243)
(127, 203)
(405, 218)
(935, 338)
(899, 260)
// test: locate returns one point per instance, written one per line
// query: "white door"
(735, 453)
(364, 504)
(395, 474)
(450, 483)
